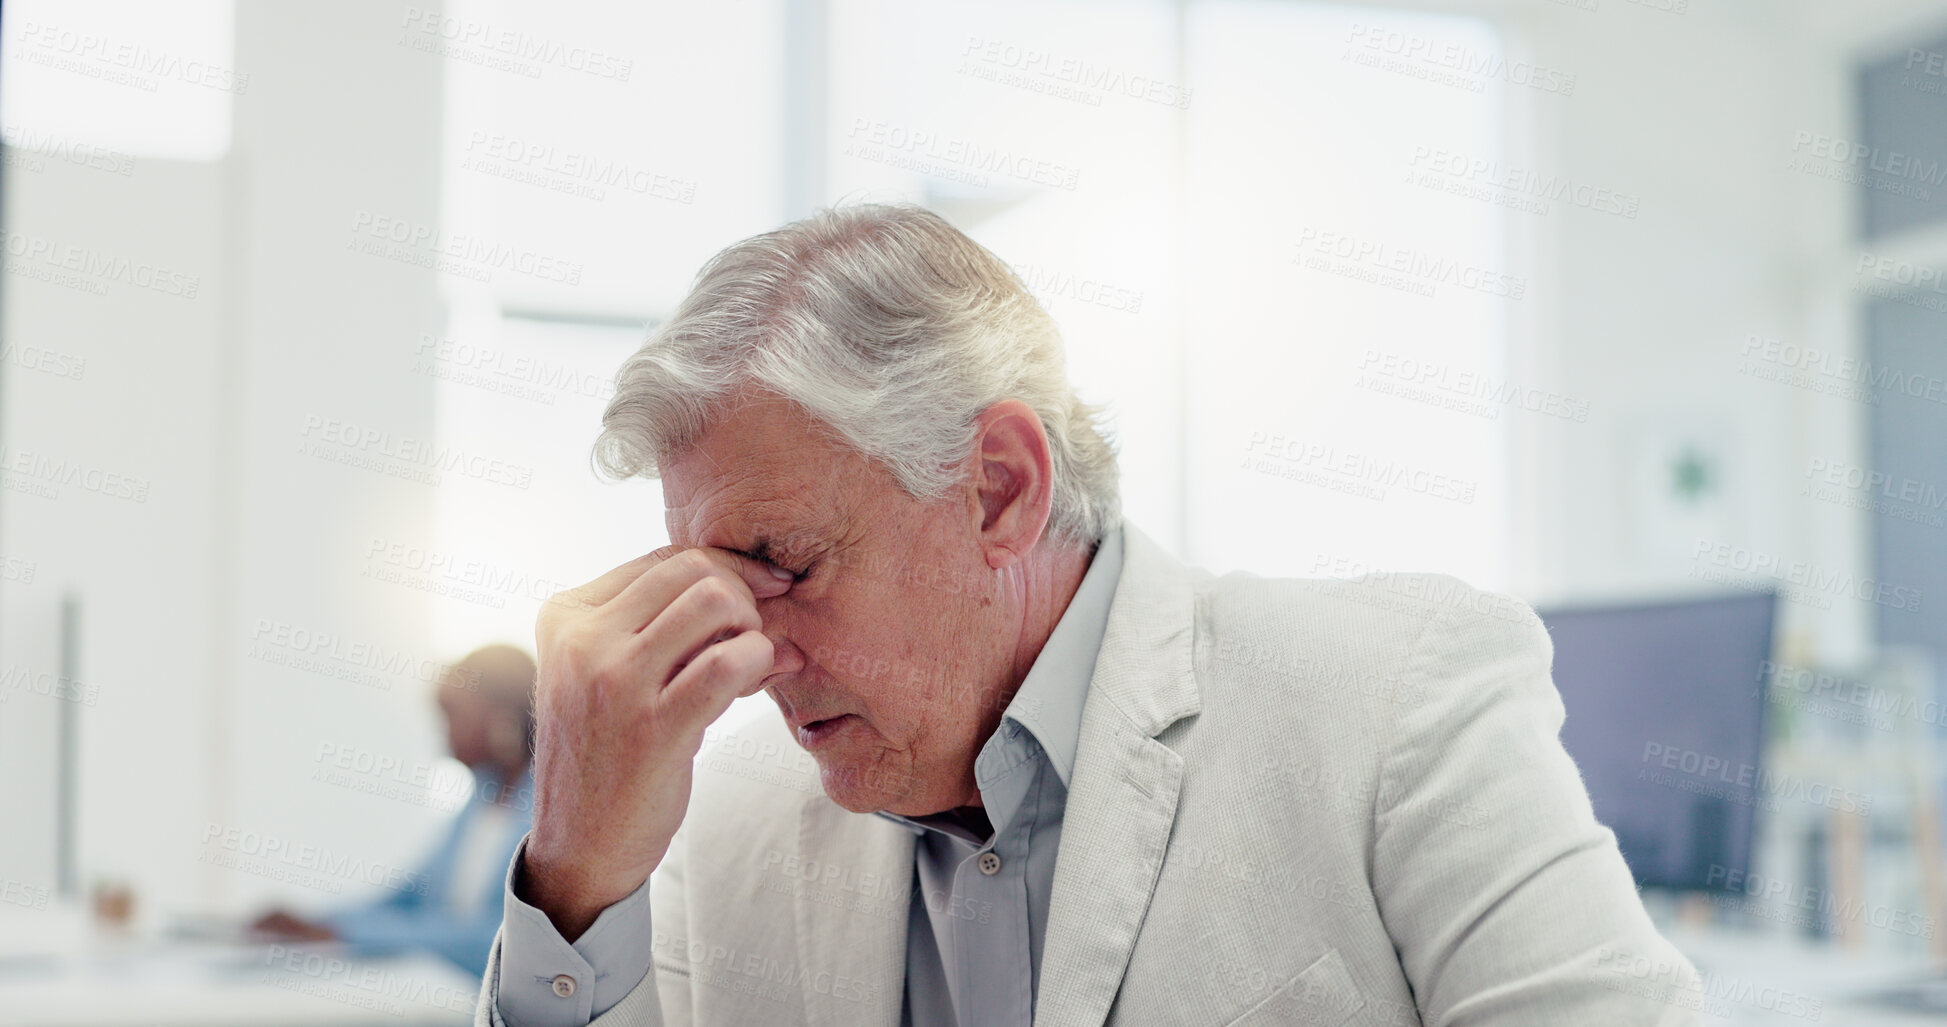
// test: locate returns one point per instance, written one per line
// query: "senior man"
(1053, 775)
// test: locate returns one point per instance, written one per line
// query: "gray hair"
(884, 323)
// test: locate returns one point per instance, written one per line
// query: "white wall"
(207, 400)
(341, 121)
(146, 407)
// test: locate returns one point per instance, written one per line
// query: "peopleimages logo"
(442, 566)
(1461, 168)
(1492, 393)
(1797, 579)
(51, 472)
(307, 648)
(513, 44)
(96, 56)
(1891, 163)
(517, 375)
(1901, 272)
(411, 455)
(1826, 371)
(924, 150)
(1854, 476)
(1461, 60)
(334, 977)
(33, 142)
(1359, 469)
(93, 268)
(15, 893)
(1747, 783)
(1089, 78)
(1821, 685)
(571, 171)
(305, 863)
(1715, 994)
(1781, 894)
(469, 256)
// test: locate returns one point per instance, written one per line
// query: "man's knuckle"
(715, 598)
(723, 662)
(571, 639)
(712, 661)
(694, 563)
(608, 671)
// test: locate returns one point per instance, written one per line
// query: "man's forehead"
(753, 437)
(748, 513)
(762, 473)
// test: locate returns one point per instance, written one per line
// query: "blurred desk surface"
(56, 971)
(1751, 978)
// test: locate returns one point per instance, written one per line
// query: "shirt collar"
(1048, 705)
(1049, 702)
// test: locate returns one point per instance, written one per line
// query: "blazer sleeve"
(1508, 902)
(662, 997)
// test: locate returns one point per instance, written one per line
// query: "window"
(1306, 374)
(1347, 395)
(105, 82)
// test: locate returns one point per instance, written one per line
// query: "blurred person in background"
(487, 700)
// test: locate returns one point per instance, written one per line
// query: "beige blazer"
(1294, 802)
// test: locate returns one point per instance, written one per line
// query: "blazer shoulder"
(1385, 601)
(1384, 633)
(1375, 601)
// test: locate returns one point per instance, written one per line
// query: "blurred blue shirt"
(453, 906)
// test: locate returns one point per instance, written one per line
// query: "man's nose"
(786, 657)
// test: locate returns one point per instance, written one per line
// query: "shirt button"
(564, 985)
(990, 863)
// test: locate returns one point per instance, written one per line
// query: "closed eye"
(786, 557)
(764, 556)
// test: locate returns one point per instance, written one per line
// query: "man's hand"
(285, 926)
(633, 667)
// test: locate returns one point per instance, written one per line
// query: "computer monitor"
(1665, 719)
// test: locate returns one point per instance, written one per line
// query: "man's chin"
(863, 790)
(854, 803)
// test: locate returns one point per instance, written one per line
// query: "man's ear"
(1013, 481)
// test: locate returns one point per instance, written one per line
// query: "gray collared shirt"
(979, 913)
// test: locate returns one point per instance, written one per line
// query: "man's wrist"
(560, 889)
(612, 958)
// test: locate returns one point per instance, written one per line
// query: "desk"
(57, 971)
(1746, 971)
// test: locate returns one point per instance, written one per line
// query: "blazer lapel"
(1123, 792)
(852, 947)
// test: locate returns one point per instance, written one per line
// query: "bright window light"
(1346, 361)
(105, 81)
